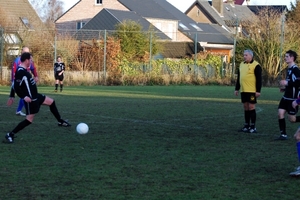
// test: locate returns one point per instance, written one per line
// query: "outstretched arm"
(11, 98)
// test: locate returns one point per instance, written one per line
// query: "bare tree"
(48, 10)
(269, 37)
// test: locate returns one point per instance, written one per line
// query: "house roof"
(107, 19)
(232, 13)
(161, 9)
(179, 49)
(20, 12)
(209, 11)
(149, 8)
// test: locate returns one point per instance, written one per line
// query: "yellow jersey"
(247, 76)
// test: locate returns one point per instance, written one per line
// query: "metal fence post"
(196, 45)
(150, 56)
(1, 50)
(104, 58)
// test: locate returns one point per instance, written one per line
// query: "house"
(160, 13)
(227, 15)
(19, 20)
(181, 28)
(107, 19)
(83, 11)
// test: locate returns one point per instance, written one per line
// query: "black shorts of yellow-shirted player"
(25, 87)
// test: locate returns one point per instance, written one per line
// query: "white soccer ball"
(82, 128)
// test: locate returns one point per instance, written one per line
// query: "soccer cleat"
(9, 138)
(20, 113)
(282, 137)
(245, 129)
(252, 130)
(63, 123)
(296, 173)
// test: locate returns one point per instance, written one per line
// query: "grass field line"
(156, 122)
(105, 117)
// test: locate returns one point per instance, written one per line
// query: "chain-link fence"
(120, 57)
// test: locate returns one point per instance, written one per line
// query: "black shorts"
(34, 106)
(248, 97)
(286, 104)
(60, 78)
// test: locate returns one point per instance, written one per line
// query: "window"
(184, 26)
(26, 22)
(80, 25)
(11, 38)
(98, 2)
(196, 27)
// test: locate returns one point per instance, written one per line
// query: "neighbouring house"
(107, 19)
(229, 14)
(226, 14)
(83, 11)
(161, 14)
(19, 21)
(181, 28)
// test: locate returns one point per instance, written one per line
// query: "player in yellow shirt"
(249, 83)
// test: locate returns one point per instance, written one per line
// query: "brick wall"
(84, 10)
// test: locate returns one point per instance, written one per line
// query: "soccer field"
(152, 142)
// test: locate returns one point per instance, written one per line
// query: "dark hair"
(292, 54)
(25, 56)
(58, 57)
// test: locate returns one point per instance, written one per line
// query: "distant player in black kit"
(25, 87)
(59, 69)
(290, 87)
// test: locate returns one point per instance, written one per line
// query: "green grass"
(156, 142)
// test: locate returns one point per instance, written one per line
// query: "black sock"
(54, 111)
(282, 126)
(298, 119)
(56, 85)
(247, 117)
(21, 125)
(61, 86)
(253, 118)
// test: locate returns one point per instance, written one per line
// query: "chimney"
(218, 5)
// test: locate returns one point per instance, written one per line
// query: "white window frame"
(26, 22)
(98, 2)
(80, 24)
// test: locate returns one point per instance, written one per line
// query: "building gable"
(107, 19)
(83, 11)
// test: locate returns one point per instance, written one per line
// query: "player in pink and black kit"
(25, 87)
(31, 68)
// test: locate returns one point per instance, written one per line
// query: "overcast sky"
(183, 5)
